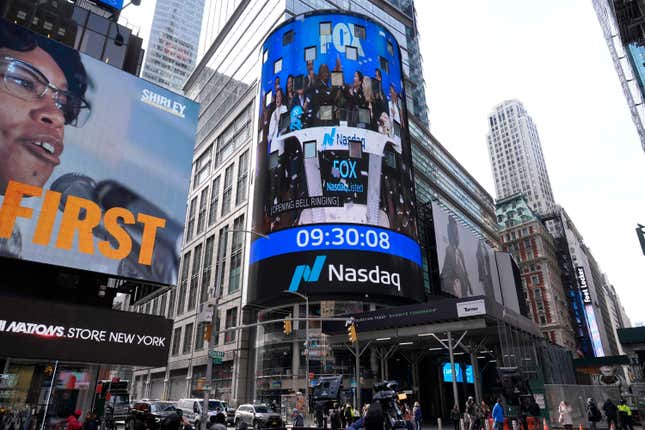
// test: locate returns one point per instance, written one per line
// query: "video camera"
(386, 393)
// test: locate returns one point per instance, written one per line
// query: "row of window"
(183, 340)
(202, 210)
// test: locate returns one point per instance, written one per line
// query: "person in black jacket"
(593, 414)
(611, 413)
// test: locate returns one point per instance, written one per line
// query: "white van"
(192, 409)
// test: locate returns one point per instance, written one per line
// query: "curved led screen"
(334, 189)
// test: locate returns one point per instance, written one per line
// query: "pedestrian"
(72, 420)
(625, 416)
(374, 419)
(565, 415)
(341, 415)
(217, 422)
(91, 422)
(347, 413)
(471, 413)
(593, 413)
(611, 413)
(297, 419)
(498, 415)
(418, 416)
(172, 421)
(334, 418)
(455, 416)
(485, 410)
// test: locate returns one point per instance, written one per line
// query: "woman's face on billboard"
(31, 131)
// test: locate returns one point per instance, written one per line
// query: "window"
(162, 305)
(231, 321)
(390, 48)
(359, 31)
(325, 28)
(310, 53)
(265, 56)
(220, 266)
(277, 66)
(199, 336)
(203, 203)
(351, 52)
(176, 338)
(535, 279)
(310, 149)
(242, 176)
(208, 265)
(191, 219)
(202, 167)
(287, 38)
(183, 284)
(194, 281)
(188, 338)
(236, 255)
(385, 65)
(171, 304)
(235, 135)
(212, 211)
(228, 190)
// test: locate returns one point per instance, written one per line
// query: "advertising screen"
(447, 373)
(94, 162)
(466, 263)
(510, 289)
(334, 190)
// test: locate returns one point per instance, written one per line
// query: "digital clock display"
(336, 237)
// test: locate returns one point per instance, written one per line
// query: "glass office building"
(215, 249)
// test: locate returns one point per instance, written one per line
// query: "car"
(257, 416)
(192, 409)
(148, 414)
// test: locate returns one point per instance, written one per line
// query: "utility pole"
(306, 299)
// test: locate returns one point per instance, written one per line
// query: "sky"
(551, 55)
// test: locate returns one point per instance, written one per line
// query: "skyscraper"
(174, 40)
(621, 23)
(516, 157)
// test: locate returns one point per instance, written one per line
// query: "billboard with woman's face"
(334, 189)
(94, 162)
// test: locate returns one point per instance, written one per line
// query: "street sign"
(205, 313)
(217, 356)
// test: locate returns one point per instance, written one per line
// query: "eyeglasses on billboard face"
(26, 82)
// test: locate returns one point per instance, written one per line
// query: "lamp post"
(306, 299)
(211, 340)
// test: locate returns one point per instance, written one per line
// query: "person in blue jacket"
(498, 415)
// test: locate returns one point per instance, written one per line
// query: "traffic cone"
(545, 426)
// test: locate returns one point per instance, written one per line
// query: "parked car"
(257, 416)
(148, 414)
(192, 409)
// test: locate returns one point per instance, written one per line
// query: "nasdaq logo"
(328, 138)
(306, 273)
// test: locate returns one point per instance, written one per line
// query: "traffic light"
(351, 331)
(640, 232)
(286, 327)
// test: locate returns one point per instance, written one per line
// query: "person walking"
(611, 413)
(334, 418)
(565, 415)
(625, 416)
(498, 415)
(374, 419)
(471, 413)
(455, 416)
(297, 419)
(593, 413)
(418, 416)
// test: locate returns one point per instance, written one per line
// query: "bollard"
(439, 423)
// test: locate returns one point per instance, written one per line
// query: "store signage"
(582, 284)
(54, 331)
(471, 308)
(404, 316)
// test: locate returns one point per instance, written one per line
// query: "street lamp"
(211, 340)
(306, 299)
